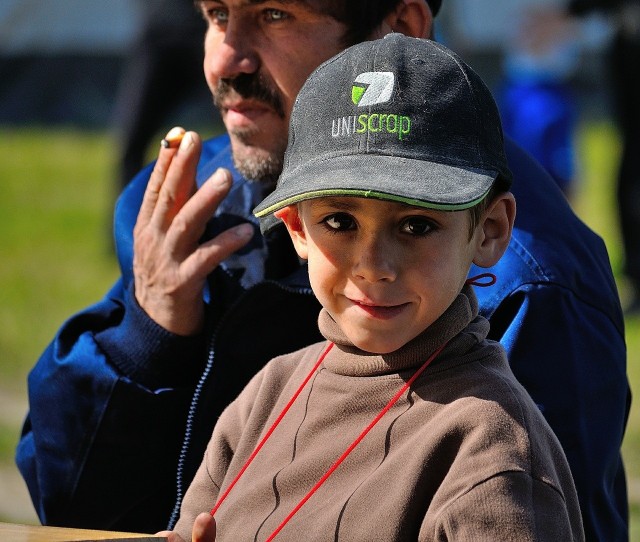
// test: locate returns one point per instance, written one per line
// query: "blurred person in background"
(163, 70)
(123, 401)
(535, 96)
(539, 110)
(625, 81)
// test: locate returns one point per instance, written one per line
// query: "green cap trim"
(368, 194)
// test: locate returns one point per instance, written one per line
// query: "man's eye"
(417, 226)
(339, 222)
(217, 15)
(275, 15)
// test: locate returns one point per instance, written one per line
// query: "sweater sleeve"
(566, 352)
(508, 506)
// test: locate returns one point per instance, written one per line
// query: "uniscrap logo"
(371, 88)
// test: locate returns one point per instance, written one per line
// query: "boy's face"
(383, 270)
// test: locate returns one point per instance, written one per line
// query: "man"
(124, 399)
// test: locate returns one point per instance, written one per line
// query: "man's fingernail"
(221, 176)
(187, 141)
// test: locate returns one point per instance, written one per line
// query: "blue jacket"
(121, 410)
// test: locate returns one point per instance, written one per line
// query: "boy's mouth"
(381, 312)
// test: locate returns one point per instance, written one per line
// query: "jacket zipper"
(186, 442)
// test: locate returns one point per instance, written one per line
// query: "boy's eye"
(416, 225)
(339, 222)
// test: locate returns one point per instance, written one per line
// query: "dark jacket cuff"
(147, 353)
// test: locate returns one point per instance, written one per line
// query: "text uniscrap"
(374, 122)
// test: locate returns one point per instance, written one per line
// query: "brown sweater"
(465, 455)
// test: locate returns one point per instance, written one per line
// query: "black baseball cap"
(399, 118)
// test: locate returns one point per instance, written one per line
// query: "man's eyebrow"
(304, 5)
(258, 2)
(286, 2)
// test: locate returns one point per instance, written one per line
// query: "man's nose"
(235, 54)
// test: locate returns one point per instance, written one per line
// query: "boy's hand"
(204, 530)
(169, 265)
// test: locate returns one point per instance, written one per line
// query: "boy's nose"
(375, 260)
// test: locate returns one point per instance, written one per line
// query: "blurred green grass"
(56, 193)
(55, 223)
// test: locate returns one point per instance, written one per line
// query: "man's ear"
(495, 229)
(410, 17)
(291, 217)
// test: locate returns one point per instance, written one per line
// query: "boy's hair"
(476, 212)
(399, 119)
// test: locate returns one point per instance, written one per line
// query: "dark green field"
(56, 189)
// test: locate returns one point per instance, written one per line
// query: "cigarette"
(173, 138)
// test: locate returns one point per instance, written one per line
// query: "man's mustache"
(248, 86)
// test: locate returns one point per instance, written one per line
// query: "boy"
(406, 423)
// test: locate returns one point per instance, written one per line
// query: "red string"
(355, 442)
(344, 455)
(271, 430)
(475, 281)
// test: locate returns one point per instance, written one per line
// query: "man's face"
(258, 53)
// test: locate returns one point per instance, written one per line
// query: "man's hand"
(170, 267)
(204, 530)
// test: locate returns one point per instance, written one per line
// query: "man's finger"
(192, 219)
(210, 254)
(179, 182)
(156, 180)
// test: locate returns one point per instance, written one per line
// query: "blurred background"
(88, 88)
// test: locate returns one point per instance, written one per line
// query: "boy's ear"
(291, 217)
(410, 17)
(495, 229)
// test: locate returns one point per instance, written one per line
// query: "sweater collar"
(460, 319)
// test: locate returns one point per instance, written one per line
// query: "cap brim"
(414, 182)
